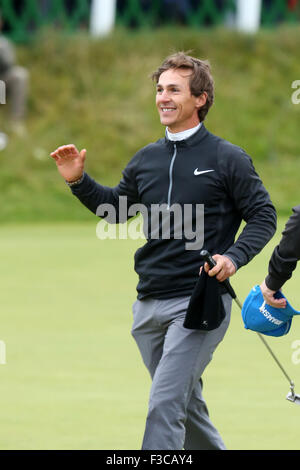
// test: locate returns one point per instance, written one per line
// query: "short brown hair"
(201, 79)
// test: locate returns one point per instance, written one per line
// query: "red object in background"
(292, 4)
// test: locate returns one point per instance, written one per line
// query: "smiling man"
(216, 180)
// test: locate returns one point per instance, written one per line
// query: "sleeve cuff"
(233, 262)
(273, 284)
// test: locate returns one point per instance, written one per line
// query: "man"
(189, 168)
(283, 260)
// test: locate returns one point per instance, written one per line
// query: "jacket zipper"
(171, 176)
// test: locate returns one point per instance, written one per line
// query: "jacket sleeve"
(285, 255)
(252, 201)
(105, 201)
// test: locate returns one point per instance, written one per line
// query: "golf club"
(291, 396)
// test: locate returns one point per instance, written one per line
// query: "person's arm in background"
(283, 260)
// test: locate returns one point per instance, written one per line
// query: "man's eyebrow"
(170, 85)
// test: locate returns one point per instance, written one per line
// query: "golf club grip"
(206, 256)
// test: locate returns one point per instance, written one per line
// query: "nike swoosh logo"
(196, 172)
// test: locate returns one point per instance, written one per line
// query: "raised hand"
(69, 161)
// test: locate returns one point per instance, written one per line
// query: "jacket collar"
(191, 141)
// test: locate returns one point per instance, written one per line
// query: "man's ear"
(201, 100)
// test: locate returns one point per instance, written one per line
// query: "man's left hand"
(223, 269)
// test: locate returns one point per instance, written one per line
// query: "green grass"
(74, 378)
(98, 95)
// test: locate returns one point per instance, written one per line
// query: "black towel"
(205, 310)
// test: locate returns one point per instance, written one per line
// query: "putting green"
(73, 378)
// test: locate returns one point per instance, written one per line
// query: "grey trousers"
(176, 358)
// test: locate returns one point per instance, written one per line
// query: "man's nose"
(164, 96)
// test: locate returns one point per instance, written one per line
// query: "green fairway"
(73, 377)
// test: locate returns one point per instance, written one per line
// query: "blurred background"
(87, 82)
(78, 71)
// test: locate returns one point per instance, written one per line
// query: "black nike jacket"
(202, 170)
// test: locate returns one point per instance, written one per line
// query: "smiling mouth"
(167, 110)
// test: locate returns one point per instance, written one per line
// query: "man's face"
(177, 107)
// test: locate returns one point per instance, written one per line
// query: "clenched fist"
(268, 296)
(222, 270)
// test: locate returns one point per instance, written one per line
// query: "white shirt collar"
(183, 134)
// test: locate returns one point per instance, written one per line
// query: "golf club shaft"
(206, 256)
(275, 359)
